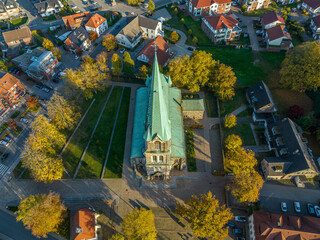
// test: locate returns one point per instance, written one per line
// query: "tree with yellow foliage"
(143, 72)
(32, 102)
(206, 217)
(47, 44)
(233, 142)
(174, 37)
(109, 42)
(240, 160)
(230, 121)
(41, 213)
(57, 53)
(139, 225)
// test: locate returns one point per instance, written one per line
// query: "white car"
(297, 206)
(76, 57)
(240, 218)
(24, 120)
(45, 89)
(4, 143)
(122, 50)
(317, 210)
(283, 207)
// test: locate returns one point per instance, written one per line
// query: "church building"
(158, 142)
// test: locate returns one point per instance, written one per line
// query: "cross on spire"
(155, 46)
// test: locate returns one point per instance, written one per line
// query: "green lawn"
(115, 159)
(19, 21)
(260, 12)
(211, 104)
(72, 153)
(238, 100)
(92, 163)
(244, 131)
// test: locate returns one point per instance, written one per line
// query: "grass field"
(244, 131)
(115, 159)
(19, 21)
(92, 163)
(237, 101)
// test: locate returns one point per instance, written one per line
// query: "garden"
(191, 155)
(244, 131)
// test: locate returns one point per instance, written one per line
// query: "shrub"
(295, 111)
(15, 114)
(230, 121)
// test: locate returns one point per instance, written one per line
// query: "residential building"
(76, 20)
(255, 4)
(265, 225)
(315, 27)
(78, 40)
(38, 64)
(201, 8)
(9, 9)
(293, 157)
(221, 28)
(285, 2)
(21, 36)
(193, 109)
(271, 19)
(311, 6)
(97, 24)
(158, 143)
(84, 225)
(278, 36)
(146, 55)
(48, 7)
(10, 92)
(138, 27)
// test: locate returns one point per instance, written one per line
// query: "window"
(161, 159)
(157, 146)
(154, 158)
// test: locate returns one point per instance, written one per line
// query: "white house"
(138, 27)
(311, 6)
(315, 26)
(97, 23)
(48, 7)
(198, 8)
(279, 36)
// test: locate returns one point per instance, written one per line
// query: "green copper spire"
(158, 123)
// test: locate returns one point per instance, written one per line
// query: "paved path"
(239, 110)
(180, 48)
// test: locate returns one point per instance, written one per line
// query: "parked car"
(238, 231)
(3, 142)
(310, 209)
(76, 57)
(45, 89)
(297, 207)
(4, 156)
(7, 139)
(231, 224)
(240, 238)
(39, 85)
(43, 98)
(283, 207)
(317, 210)
(55, 80)
(24, 120)
(240, 218)
(122, 50)
(190, 49)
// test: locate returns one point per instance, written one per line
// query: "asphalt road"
(15, 230)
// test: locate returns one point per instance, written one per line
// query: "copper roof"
(18, 34)
(83, 225)
(222, 21)
(95, 21)
(269, 226)
(162, 54)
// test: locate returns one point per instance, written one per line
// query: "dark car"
(231, 224)
(4, 156)
(238, 231)
(43, 98)
(39, 85)
(310, 209)
(56, 80)
(190, 49)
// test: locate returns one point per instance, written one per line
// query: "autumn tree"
(230, 121)
(93, 36)
(63, 113)
(12, 124)
(128, 65)
(116, 64)
(57, 53)
(300, 69)
(222, 81)
(47, 44)
(143, 72)
(151, 6)
(174, 37)
(139, 225)
(240, 160)
(134, 2)
(117, 236)
(182, 20)
(233, 142)
(195, 40)
(189, 31)
(32, 102)
(41, 213)
(246, 186)
(109, 42)
(206, 217)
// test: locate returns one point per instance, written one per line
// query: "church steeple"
(158, 123)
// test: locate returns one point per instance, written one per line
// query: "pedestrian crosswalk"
(3, 169)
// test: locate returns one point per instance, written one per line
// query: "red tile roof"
(316, 20)
(78, 18)
(277, 32)
(222, 21)
(271, 17)
(84, 221)
(207, 3)
(275, 226)
(95, 21)
(312, 3)
(162, 54)
(6, 82)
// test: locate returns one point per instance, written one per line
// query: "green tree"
(47, 44)
(139, 225)
(109, 42)
(230, 121)
(206, 217)
(189, 31)
(244, 8)
(128, 65)
(233, 142)
(305, 122)
(174, 37)
(182, 20)
(143, 72)
(41, 213)
(151, 6)
(195, 40)
(116, 64)
(222, 82)
(301, 69)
